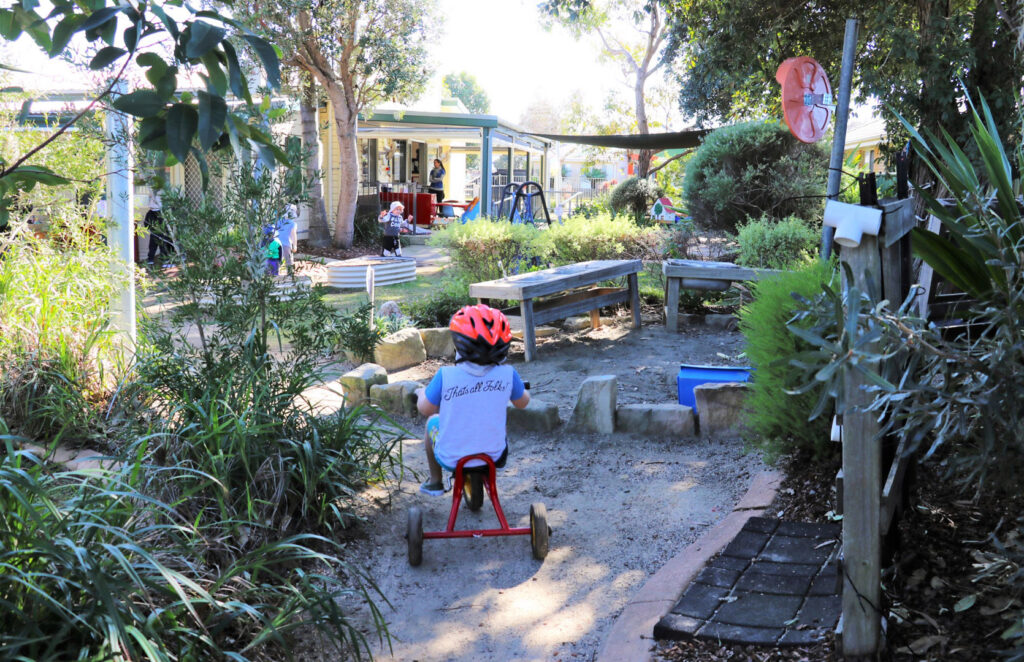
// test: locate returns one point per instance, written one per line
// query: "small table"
(698, 275)
(527, 287)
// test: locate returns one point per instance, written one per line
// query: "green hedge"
(602, 238)
(484, 249)
(754, 169)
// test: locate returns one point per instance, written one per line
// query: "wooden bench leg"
(595, 318)
(529, 333)
(634, 298)
(672, 305)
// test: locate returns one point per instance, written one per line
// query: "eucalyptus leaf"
(106, 56)
(140, 103)
(182, 123)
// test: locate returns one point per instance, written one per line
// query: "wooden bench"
(527, 288)
(699, 275)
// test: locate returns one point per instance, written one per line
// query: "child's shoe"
(433, 489)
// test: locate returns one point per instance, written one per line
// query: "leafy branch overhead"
(172, 121)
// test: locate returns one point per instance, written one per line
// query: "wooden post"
(862, 490)
(634, 298)
(529, 334)
(672, 304)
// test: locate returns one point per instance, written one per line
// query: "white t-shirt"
(473, 401)
(286, 226)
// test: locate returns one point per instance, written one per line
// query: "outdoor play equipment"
(470, 483)
(807, 101)
(529, 205)
(523, 203)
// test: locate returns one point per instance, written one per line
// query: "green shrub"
(634, 197)
(93, 568)
(367, 230)
(766, 243)
(593, 207)
(780, 420)
(483, 249)
(602, 237)
(436, 310)
(357, 336)
(229, 398)
(754, 169)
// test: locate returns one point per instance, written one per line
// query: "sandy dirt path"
(619, 507)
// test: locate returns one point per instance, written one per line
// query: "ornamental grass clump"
(94, 567)
(777, 418)
(58, 356)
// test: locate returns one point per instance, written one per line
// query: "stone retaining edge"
(630, 638)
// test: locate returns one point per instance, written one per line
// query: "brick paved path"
(774, 585)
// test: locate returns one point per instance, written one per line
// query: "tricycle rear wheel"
(414, 536)
(539, 530)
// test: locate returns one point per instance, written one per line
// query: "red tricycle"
(471, 483)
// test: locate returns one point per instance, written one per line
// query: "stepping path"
(775, 584)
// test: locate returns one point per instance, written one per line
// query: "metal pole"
(835, 164)
(122, 206)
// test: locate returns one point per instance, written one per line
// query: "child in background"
(274, 251)
(466, 402)
(392, 221)
(287, 233)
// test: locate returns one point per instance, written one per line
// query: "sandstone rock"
(355, 384)
(396, 397)
(438, 343)
(595, 405)
(539, 331)
(583, 323)
(655, 420)
(576, 324)
(401, 349)
(721, 321)
(720, 408)
(537, 417)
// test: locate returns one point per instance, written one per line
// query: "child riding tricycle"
(466, 409)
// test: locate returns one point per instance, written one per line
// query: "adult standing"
(436, 177)
(159, 242)
(287, 233)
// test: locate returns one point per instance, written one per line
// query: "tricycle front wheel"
(473, 491)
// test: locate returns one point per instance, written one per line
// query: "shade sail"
(653, 141)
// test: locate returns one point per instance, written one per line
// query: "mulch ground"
(941, 541)
(333, 253)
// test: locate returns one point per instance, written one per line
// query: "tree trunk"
(345, 127)
(319, 233)
(643, 165)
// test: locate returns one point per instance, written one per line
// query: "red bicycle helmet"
(481, 334)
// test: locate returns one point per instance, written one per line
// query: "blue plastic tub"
(695, 375)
